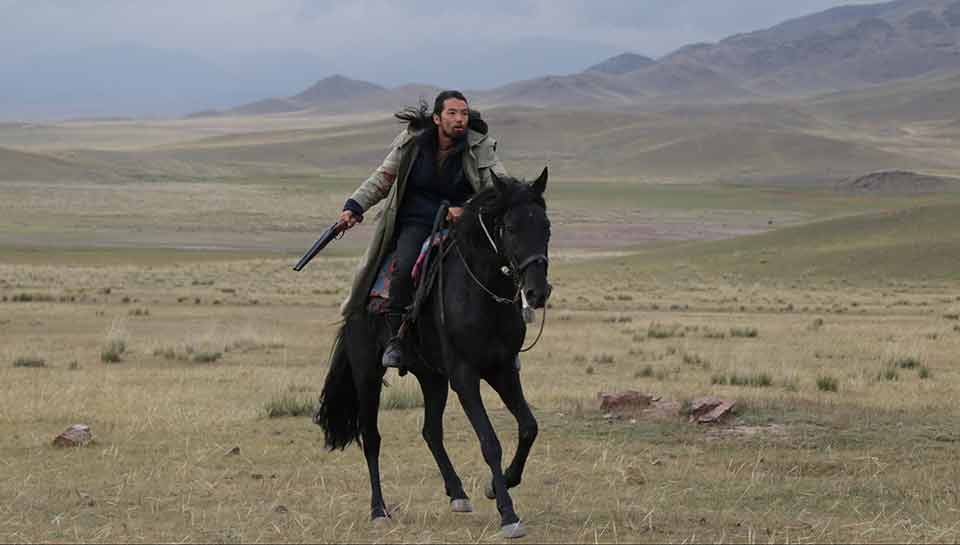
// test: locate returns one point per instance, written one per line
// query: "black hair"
(443, 96)
(419, 117)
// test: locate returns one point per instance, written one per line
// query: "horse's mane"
(492, 200)
(419, 118)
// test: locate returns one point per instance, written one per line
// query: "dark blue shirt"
(430, 182)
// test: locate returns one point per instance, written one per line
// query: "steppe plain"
(696, 251)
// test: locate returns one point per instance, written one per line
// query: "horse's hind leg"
(467, 386)
(507, 385)
(368, 390)
(434, 387)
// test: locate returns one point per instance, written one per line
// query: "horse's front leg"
(434, 387)
(507, 385)
(467, 385)
(368, 391)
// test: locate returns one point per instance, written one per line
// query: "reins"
(516, 274)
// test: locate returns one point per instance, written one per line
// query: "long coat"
(479, 159)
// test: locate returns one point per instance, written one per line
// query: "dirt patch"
(899, 182)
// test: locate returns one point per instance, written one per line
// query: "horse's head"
(524, 231)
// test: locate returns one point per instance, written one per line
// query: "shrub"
(827, 384)
(888, 374)
(30, 361)
(748, 332)
(656, 330)
(139, 312)
(757, 380)
(906, 362)
(923, 372)
(605, 359)
(206, 357)
(816, 324)
(32, 298)
(113, 351)
(646, 372)
(691, 358)
(288, 406)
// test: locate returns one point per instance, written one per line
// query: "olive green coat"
(479, 159)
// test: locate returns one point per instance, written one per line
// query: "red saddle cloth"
(380, 292)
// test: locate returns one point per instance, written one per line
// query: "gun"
(326, 237)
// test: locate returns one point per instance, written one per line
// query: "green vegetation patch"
(30, 362)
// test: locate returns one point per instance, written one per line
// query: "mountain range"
(843, 48)
(847, 47)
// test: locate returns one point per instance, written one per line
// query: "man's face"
(452, 121)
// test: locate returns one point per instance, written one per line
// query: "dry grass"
(826, 449)
(829, 469)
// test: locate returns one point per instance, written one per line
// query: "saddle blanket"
(380, 292)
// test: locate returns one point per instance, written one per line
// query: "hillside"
(900, 182)
(747, 142)
(622, 64)
(931, 98)
(916, 243)
(36, 167)
(848, 47)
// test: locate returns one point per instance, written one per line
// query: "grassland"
(167, 317)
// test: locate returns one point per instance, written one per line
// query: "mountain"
(339, 94)
(622, 64)
(843, 48)
(840, 49)
(329, 91)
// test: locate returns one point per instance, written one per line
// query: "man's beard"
(453, 135)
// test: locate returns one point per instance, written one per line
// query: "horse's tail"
(339, 410)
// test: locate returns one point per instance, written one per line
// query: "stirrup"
(394, 354)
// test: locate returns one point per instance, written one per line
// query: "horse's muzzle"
(537, 298)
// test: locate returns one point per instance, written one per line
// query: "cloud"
(346, 27)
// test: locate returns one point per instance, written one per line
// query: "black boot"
(393, 354)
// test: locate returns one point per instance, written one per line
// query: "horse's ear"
(498, 184)
(540, 184)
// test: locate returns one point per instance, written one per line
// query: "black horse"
(470, 328)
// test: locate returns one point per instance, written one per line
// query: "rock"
(627, 401)
(235, 451)
(77, 435)
(281, 509)
(710, 409)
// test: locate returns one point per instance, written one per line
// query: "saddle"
(422, 279)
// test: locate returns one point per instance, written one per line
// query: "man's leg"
(409, 241)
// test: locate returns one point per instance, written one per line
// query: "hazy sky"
(366, 28)
(168, 57)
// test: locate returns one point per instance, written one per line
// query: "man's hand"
(348, 219)
(454, 213)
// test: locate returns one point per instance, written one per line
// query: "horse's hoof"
(489, 492)
(461, 506)
(381, 523)
(513, 531)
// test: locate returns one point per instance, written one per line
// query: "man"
(443, 156)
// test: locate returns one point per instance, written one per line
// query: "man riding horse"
(448, 161)
(470, 326)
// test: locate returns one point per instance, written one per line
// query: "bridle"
(514, 271)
